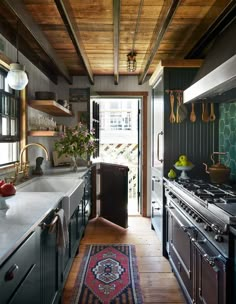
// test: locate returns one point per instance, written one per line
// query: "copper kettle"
(218, 172)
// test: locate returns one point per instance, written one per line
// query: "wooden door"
(114, 193)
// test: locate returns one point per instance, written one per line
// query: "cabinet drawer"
(17, 267)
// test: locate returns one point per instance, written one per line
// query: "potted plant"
(76, 142)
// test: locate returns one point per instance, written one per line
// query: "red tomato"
(7, 189)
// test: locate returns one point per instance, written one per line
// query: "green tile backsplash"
(227, 135)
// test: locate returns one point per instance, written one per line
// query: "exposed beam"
(158, 39)
(116, 31)
(220, 23)
(24, 47)
(19, 10)
(65, 11)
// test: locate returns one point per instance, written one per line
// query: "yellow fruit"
(172, 174)
(178, 163)
(184, 163)
(183, 157)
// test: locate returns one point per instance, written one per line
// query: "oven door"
(180, 232)
(210, 268)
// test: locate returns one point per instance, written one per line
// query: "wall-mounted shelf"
(51, 107)
(43, 133)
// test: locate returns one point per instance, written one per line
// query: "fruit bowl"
(183, 174)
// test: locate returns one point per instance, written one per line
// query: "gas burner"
(227, 200)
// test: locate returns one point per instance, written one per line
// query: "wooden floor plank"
(158, 283)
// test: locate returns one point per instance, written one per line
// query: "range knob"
(198, 219)
(207, 227)
(216, 228)
(219, 238)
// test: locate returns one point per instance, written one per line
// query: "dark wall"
(197, 140)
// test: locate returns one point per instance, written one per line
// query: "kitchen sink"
(71, 188)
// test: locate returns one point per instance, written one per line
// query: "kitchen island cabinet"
(32, 267)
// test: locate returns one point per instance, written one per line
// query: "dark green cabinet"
(50, 279)
(81, 216)
(19, 275)
(75, 229)
(87, 198)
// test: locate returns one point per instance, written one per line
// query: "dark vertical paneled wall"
(196, 140)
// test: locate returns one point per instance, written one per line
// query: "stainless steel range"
(212, 208)
(199, 216)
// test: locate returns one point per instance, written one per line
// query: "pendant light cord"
(17, 41)
(137, 24)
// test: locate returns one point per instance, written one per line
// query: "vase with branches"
(76, 142)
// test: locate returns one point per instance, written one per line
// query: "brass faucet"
(23, 167)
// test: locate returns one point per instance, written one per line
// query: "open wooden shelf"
(43, 133)
(51, 107)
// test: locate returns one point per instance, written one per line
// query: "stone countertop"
(22, 212)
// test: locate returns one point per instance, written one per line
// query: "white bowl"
(183, 168)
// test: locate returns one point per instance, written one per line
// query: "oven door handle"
(209, 259)
(184, 227)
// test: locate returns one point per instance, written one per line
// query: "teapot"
(218, 172)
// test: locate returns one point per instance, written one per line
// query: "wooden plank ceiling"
(93, 37)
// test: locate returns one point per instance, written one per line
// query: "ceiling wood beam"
(24, 47)
(116, 31)
(220, 23)
(66, 13)
(158, 39)
(19, 10)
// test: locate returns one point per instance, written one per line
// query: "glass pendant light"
(17, 78)
(131, 62)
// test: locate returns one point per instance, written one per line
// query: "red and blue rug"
(108, 274)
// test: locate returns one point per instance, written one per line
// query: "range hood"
(216, 78)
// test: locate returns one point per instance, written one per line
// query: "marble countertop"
(22, 212)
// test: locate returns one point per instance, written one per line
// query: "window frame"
(22, 123)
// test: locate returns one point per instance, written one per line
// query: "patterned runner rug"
(108, 274)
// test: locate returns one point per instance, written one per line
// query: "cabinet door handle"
(10, 274)
(207, 258)
(184, 227)
(158, 145)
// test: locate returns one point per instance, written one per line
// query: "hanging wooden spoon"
(205, 115)
(203, 110)
(192, 114)
(172, 100)
(212, 116)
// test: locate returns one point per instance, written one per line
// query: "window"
(9, 121)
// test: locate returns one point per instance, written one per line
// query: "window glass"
(9, 121)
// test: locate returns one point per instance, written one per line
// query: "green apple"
(184, 163)
(183, 158)
(178, 163)
(172, 174)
